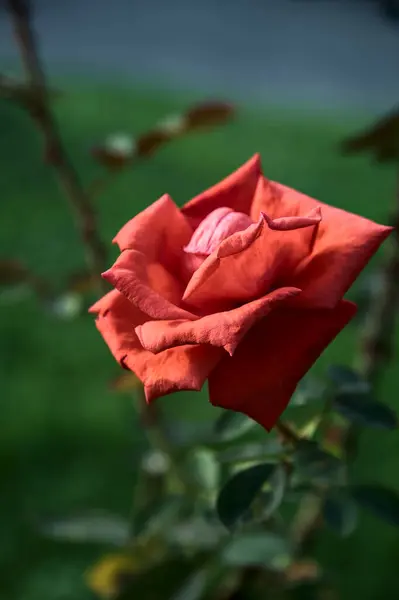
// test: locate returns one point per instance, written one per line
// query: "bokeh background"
(303, 75)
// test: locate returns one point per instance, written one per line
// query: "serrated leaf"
(265, 549)
(340, 514)
(346, 379)
(240, 491)
(383, 502)
(232, 425)
(364, 410)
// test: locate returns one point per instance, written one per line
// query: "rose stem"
(55, 153)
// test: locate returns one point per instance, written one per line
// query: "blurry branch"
(287, 433)
(123, 150)
(37, 104)
(13, 273)
(19, 92)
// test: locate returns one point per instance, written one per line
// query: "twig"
(55, 153)
(287, 433)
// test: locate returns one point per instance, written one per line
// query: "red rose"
(243, 286)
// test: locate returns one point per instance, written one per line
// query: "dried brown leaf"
(148, 143)
(208, 114)
(109, 158)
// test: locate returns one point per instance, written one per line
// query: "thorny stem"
(55, 154)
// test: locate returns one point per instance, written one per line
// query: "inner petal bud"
(218, 225)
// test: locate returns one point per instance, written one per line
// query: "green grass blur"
(68, 443)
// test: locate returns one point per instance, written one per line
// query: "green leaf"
(256, 451)
(232, 425)
(196, 533)
(308, 390)
(364, 410)
(346, 379)
(273, 498)
(239, 492)
(383, 502)
(340, 514)
(203, 469)
(155, 515)
(258, 548)
(90, 528)
(314, 463)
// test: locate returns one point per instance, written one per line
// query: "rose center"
(216, 227)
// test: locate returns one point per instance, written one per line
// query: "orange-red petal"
(149, 286)
(261, 376)
(182, 368)
(343, 243)
(160, 232)
(236, 192)
(224, 329)
(249, 263)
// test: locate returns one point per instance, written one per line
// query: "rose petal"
(343, 244)
(116, 321)
(149, 286)
(160, 232)
(251, 262)
(225, 329)
(182, 368)
(261, 377)
(217, 226)
(236, 192)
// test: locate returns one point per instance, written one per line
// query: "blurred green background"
(68, 443)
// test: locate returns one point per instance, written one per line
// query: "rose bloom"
(242, 287)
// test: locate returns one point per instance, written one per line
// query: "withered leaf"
(208, 113)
